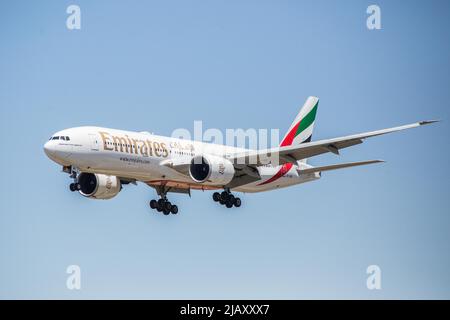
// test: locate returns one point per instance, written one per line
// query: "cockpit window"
(60, 138)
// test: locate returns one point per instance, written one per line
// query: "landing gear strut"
(163, 204)
(227, 198)
(74, 186)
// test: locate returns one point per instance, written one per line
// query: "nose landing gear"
(74, 186)
(227, 198)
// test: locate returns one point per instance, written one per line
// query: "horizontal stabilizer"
(337, 166)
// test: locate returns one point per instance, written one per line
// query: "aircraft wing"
(306, 150)
(243, 174)
(179, 165)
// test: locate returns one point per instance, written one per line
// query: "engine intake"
(98, 186)
(211, 170)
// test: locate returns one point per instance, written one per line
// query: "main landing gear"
(227, 198)
(163, 205)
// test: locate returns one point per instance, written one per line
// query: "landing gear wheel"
(163, 204)
(224, 196)
(216, 196)
(77, 186)
(167, 206)
(72, 187)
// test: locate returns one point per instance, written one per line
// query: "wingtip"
(422, 123)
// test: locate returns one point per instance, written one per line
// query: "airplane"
(101, 160)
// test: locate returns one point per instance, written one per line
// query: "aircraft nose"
(49, 148)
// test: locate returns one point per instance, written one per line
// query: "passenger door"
(94, 141)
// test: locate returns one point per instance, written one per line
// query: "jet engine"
(211, 170)
(98, 186)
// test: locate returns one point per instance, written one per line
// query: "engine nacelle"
(211, 170)
(99, 186)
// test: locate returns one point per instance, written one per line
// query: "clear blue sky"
(158, 66)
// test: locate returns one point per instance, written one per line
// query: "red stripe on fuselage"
(283, 170)
(287, 141)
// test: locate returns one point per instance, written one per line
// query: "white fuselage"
(140, 156)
